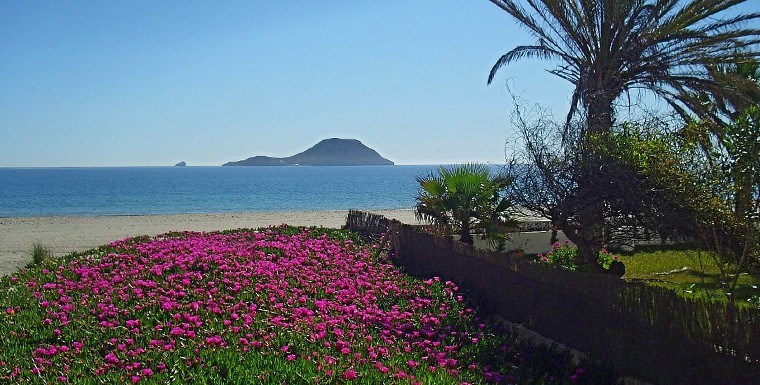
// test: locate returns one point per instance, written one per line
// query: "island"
(180, 164)
(329, 152)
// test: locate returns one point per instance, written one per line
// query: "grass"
(691, 273)
(270, 306)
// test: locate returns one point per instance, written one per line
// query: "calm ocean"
(173, 190)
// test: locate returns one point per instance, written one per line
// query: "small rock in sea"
(181, 164)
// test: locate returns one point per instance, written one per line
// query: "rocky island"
(329, 152)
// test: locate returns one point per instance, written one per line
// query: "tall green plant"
(731, 144)
(734, 236)
(462, 197)
(39, 254)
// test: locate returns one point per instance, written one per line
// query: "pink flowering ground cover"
(275, 305)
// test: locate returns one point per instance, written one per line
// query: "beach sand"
(63, 235)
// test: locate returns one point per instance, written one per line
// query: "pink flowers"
(292, 293)
(111, 358)
(215, 340)
(349, 374)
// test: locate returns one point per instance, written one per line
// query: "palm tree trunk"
(600, 113)
(589, 235)
(464, 232)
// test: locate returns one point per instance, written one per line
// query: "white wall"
(531, 242)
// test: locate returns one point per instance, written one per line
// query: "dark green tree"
(607, 48)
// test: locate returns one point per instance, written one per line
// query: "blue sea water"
(172, 190)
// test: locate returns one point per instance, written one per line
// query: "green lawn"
(691, 273)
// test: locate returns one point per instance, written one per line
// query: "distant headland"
(329, 152)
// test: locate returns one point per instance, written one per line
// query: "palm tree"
(607, 48)
(462, 197)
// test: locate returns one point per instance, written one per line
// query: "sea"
(28, 192)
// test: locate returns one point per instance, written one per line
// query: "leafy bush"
(606, 258)
(563, 254)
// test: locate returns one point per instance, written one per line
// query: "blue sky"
(152, 83)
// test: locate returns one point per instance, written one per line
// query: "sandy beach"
(63, 235)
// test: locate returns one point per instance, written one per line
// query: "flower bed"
(276, 305)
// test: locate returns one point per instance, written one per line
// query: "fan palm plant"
(463, 197)
(607, 48)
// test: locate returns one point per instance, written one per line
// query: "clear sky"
(152, 83)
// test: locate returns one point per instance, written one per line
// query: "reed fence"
(647, 332)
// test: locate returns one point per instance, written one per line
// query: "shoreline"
(253, 212)
(66, 234)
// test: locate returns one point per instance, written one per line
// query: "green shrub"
(606, 258)
(563, 254)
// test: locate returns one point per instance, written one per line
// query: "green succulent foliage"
(463, 197)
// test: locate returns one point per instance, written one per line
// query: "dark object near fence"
(646, 332)
(617, 268)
